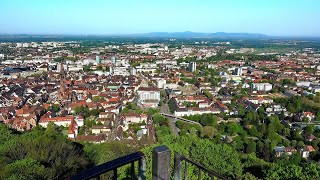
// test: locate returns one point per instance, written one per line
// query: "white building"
(123, 71)
(161, 83)
(19, 45)
(192, 66)
(316, 89)
(194, 111)
(89, 61)
(133, 71)
(25, 45)
(261, 86)
(134, 118)
(148, 97)
(303, 83)
(75, 68)
(59, 121)
(62, 121)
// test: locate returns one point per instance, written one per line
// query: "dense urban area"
(247, 109)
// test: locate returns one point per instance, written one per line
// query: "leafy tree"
(104, 152)
(55, 108)
(58, 59)
(317, 118)
(80, 109)
(40, 154)
(286, 142)
(87, 68)
(251, 146)
(309, 129)
(248, 176)
(296, 134)
(89, 123)
(208, 120)
(294, 143)
(286, 132)
(27, 168)
(221, 158)
(300, 144)
(233, 128)
(283, 172)
(208, 94)
(96, 98)
(157, 119)
(99, 68)
(5, 133)
(183, 132)
(152, 111)
(208, 132)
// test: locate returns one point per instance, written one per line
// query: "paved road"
(165, 109)
(172, 121)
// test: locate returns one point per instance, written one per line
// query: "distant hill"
(148, 36)
(189, 34)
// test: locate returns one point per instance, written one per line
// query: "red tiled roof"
(56, 119)
(309, 148)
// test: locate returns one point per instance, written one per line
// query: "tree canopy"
(40, 154)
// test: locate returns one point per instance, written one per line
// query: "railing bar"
(199, 174)
(185, 170)
(108, 166)
(177, 167)
(132, 171)
(115, 174)
(212, 173)
(142, 169)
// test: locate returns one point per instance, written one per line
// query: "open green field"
(275, 50)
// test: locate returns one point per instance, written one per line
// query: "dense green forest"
(40, 154)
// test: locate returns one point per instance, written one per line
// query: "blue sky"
(272, 17)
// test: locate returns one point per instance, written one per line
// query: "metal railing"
(113, 165)
(178, 159)
(160, 167)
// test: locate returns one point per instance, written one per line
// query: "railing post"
(161, 163)
(185, 170)
(98, 177)
(177, 166)
(142, 169)
(115, 174)
(133, 175)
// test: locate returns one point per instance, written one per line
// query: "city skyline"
(285, 18)
(105, 89)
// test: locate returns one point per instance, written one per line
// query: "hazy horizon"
(133, 34)
(286, 18)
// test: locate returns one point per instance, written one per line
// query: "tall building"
(133, 71)
(113, 60)
(192, 66)
(237, 71)
(98, 61)
(111, 70)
